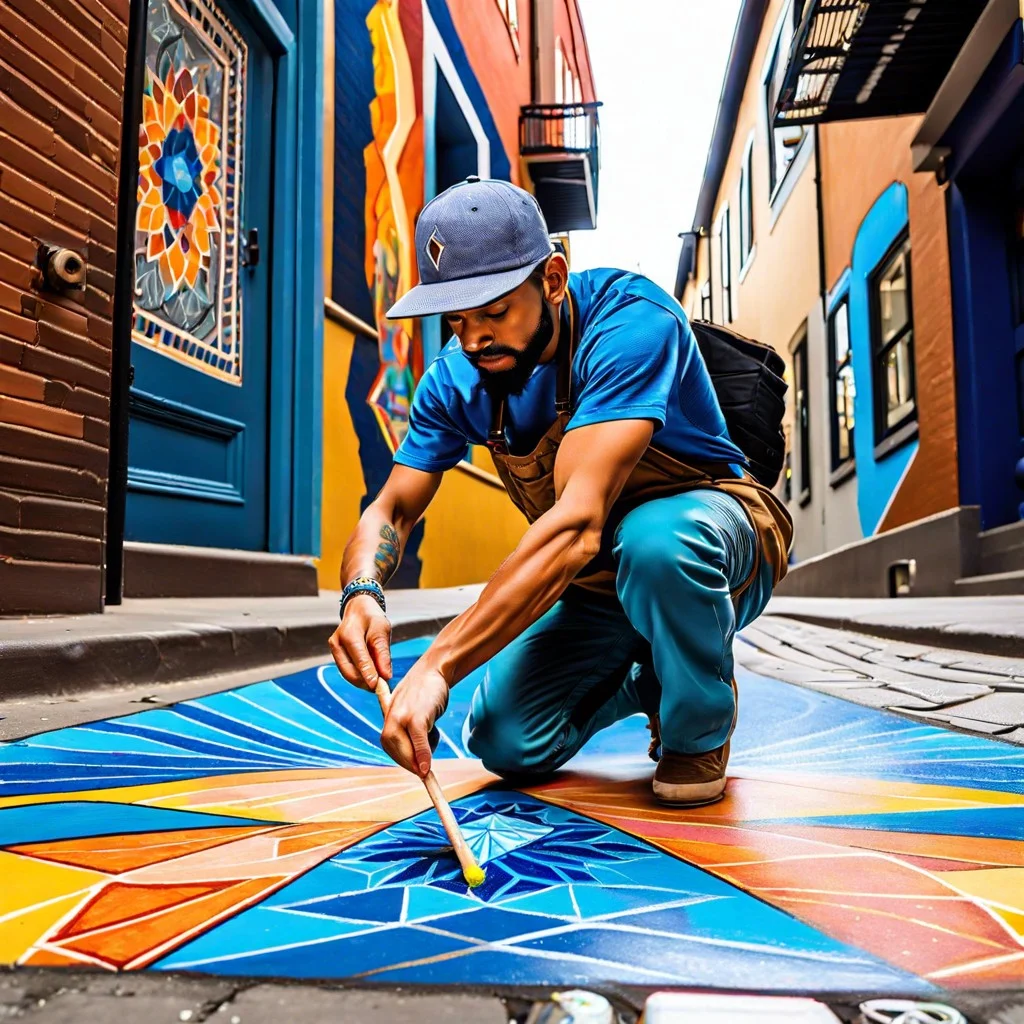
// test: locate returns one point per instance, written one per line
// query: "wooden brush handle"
(437, 797)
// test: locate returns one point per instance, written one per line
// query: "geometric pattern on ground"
(263, 832)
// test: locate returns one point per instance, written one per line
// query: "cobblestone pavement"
(972, 692)
(52, 997)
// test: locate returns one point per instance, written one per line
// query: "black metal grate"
(871, 58)
(558, 128)
(562, 143)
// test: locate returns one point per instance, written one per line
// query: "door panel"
(198, 429)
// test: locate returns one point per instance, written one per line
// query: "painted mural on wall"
(394, 188)
(383, 148)
(187, 303)
(262, 831)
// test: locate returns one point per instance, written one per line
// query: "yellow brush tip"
(474, 876)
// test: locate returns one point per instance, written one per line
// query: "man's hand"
(416, 705)
(361, 645)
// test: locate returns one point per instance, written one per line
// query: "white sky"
(658, 67)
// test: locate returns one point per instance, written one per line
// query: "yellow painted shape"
(34, 896)
(1004, 886)
(20, 933)
(471, 528)
(1015, 921)
(343, 484)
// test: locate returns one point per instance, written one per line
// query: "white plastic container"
(696, 1008)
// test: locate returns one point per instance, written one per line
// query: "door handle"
(251, 249)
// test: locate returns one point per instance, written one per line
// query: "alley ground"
(248, 827)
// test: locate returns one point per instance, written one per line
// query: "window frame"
(746, 206)
(724, 233)
(775, 184)
(839, 464)
(707, 302)
(802, 408)
(510, 14)
(905, 428)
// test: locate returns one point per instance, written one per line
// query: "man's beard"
(503, 383)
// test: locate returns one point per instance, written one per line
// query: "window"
(747, 205)
(785, 141)
(510, 12)
(892, 337)
(842, 388)
(725, 255)
(706, 310)
(803, 419)
(568, 88)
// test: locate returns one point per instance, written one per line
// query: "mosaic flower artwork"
(186, 226)
(262, 832)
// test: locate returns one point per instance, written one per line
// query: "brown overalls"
(530, 483)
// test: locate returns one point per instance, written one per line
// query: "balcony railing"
(561, 145)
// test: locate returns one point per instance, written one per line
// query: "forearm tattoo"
(388, 552)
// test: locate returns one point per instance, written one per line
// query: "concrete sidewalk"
(981, 625)
(157, 641)
(146, 642)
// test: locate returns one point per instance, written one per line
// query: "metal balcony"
(561, 152)
(854, 59)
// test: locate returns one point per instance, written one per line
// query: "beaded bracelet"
(364, 585)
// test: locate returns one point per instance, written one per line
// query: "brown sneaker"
(692, 780)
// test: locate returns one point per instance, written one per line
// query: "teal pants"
(664, 646)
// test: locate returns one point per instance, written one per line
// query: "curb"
(51, 668)
(1001, 645)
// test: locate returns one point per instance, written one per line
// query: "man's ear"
(556, 279)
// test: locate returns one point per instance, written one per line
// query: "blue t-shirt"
(637, 358)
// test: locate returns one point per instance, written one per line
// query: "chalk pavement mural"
(262, 832)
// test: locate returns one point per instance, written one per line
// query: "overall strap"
(563, 386)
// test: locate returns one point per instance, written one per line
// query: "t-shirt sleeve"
(433, 442)
(630, 368)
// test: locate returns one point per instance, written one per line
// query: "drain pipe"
(822, 284)
(121, 355)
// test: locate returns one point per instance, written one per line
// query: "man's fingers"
(395, 741)
(419, 738)
(380, 644)
(345, 667)
(355, 648)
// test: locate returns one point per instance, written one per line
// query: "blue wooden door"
(197, 453)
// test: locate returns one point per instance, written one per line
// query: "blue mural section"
(878, 478)
(314, 719)
(588, 882)
(393, 908)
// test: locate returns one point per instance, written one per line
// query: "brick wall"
(62, 71)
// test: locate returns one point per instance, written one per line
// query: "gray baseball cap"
(474, 242)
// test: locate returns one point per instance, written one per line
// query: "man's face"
(506, 339)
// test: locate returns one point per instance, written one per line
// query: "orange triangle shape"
(114, 854)
(134, 943)
(120, 902)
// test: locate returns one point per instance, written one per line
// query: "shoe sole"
(698, 800)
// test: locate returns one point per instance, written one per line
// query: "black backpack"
(747, 377)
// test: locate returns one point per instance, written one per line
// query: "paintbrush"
(471, 871)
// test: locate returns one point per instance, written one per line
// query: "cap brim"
(452, 296)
